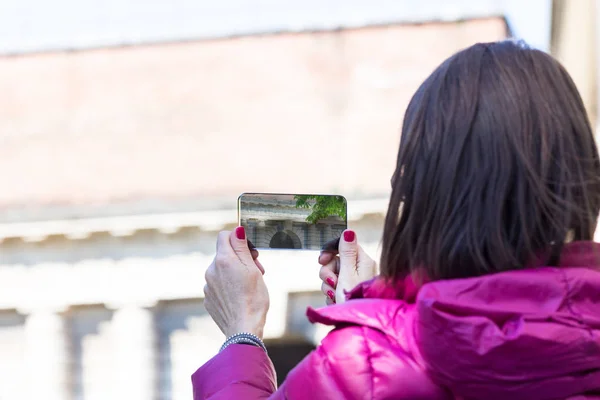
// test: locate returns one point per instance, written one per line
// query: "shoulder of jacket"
(364, 357)
(357, 361)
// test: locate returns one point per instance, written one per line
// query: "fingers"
(239, 244)
(329, 278)
(331, 246)
(209, 274)
(260, 266)
(328, 273)
(326, 257)
(244, 249)
(224, 239)
(348, 251)
(223, 243)
(254, 254)
(329, 250)
(328, 291)
(235, 243)
(207, 298)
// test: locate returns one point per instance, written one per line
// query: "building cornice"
(167, 223)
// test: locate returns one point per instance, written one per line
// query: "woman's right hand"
(345, 269)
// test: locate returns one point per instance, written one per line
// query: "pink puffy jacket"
(521, 335)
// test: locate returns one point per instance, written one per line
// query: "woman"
(489, 285)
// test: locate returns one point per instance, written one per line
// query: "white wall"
(122, 317)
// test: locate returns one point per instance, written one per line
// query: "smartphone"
(293, 221)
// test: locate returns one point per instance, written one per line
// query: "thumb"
(348, 251)
(239, 244)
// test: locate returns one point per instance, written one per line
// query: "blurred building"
(575, 43)
(128, 131)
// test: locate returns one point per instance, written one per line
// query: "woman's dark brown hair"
(497, 165)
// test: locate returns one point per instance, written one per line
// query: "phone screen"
(292, 221)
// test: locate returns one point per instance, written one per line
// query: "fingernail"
(349, 236)
(240, 232)
(330, 282)
(331, 294)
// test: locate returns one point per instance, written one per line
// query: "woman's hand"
(345, 270)
(236, 296)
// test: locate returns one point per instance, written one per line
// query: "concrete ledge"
(209, 221)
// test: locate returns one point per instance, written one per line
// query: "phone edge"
(239, 208)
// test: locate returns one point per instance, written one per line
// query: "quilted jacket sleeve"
(331, 371)
(353, 362)
(239, 372)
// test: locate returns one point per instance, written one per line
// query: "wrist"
(255, 329)
(244, 338)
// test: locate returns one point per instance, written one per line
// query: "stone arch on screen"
(285, 239)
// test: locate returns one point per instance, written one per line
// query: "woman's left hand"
(342, 272)
(236, 296)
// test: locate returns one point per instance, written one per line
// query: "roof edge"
(126, 44)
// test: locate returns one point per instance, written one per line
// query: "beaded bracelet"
(245, 338)
(239, 340)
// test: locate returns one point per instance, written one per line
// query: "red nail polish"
(331, 295)
(330, 282)
(240, 232)
(349, 236)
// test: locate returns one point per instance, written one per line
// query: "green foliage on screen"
(322, 207)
